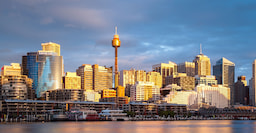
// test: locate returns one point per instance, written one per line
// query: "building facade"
(202, 65)
(71, 81)
(165, 70)
(14, 69)
(206, 80)
(253, 85)
(182, 80)
(86, 73)
(45, 69)
(241, 91)
(143, 91)
(188, 68)
(224, 70)
(155, 77)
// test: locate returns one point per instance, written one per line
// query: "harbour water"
(189, 126)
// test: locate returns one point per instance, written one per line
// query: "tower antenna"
(201, 49)
(116, 30)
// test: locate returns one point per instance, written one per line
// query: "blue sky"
(151, 31)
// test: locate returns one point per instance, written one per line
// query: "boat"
(113, 115)
(58, 115)
(83, 115)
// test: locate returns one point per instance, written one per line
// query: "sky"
(151, 31)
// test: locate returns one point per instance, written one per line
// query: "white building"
(143, 91)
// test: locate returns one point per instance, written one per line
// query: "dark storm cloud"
(151, 31)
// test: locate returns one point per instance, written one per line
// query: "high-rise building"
(143, 91)
(127, 77)
(95, 77)
(165, 70)
(241, 91)
(253, 85)
(182, 80)
(202, 64)
(140, 75)
(45, 68)
(206, 80)
(86, 73)
(13, 85)
(155, 77)
(14, 69)
(50, 46)
(71, 81)
(188, 68)
(120, 91)
(224, 70)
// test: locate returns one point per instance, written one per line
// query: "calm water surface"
(203, 126)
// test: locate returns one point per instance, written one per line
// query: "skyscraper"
(224, 70)
(188, 68)
(253, 85)
(155, 77)
(50, 46)
(71, 81)
(95, 77)
(127, 77)
(241, 91)
(45, 68)
(202, 64)
(165, 69)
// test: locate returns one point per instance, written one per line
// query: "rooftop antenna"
(201, 49)
(116, 30)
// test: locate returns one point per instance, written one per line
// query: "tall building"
(45, 68)
(241, 91)
(253, 85)
(188, 68)
(143, 91)
(224, 70)
(50, 46)
(140, 75)
(202, 64)
(71, 81)
(13, 85)
(206, 80)
(95, 77)
(127, 77)
(165, 70)
(182, 80)
(86, 73)
(155, 77)
(14, 69)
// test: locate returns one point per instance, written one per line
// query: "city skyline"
(151, 32)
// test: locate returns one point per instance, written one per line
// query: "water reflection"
(204, 126)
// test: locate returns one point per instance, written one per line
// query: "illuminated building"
(116, 43)
(140, 75)
(107, 93)
(188, 68)
(155, 77)
(182, 80)
(241, 91)
(86, 73)
(143, 91)
(127, 77)
(72, 81)
(16, 87)
(95, 77)
(63, 95)
(165, 70)
(50, 46)
(14, 69)
(206, 80)
(203, 95)
(202, 64)
(91, 95)
(253, 85)
(224, 70)
(120, 91)
(45, 68)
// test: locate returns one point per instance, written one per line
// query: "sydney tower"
(116, 43)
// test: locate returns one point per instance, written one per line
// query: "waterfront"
(193, 126)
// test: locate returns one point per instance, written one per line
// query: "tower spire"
(201, 49)
(116, 30)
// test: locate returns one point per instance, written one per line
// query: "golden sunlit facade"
(143, 91)
(188, 68)
(51, 46)
(86, 73)
(72, 81)
(155, 77)
(107, 93)
(127, 77)
(13, 69)
(202, 65)
(165, 70)
(120, 91)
